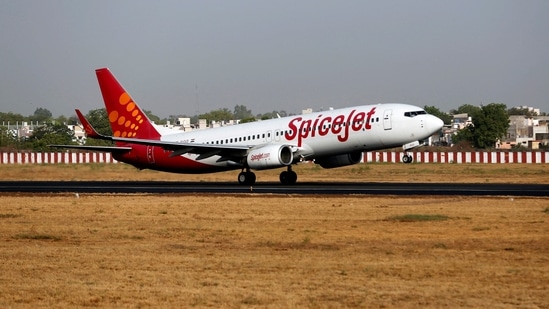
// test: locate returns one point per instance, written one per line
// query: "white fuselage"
(321, 134)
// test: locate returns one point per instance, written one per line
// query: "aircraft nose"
(434, 124)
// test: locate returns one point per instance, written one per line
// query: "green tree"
(152, 117)
(48, 134)
(463, 137)
(73, 120)
(520, 111)
(241, 112)
(222, 114)
(466, 109)
(447, 118)
(7, 138)
(272, 115)
(99, 120)
(489, 124)
(12, 118)
(249, 119)
(41, 115)
(62, 120)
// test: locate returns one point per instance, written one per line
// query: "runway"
(308, 188)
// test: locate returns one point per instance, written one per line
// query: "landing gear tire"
(246, 178)
(407, 159)
(288, 177)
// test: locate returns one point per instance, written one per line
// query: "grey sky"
(273, 55)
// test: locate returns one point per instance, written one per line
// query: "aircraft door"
(150, 154)
(387, 125)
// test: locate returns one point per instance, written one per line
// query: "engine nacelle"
(270, 156)
(340, 160)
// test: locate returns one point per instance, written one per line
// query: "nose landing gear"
(406, 158)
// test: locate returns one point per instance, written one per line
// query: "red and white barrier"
(369, 157)
(460, 157)
(55, 157)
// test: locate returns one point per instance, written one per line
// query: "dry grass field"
(276, 251)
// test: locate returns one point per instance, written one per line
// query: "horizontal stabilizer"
(178, 148)
(90, 131)
(112, 149)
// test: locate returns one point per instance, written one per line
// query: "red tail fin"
(125, 117)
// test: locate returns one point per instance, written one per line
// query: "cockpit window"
(414, 113)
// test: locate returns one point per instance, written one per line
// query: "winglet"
(90, 131)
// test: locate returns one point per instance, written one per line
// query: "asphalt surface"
(318, 188)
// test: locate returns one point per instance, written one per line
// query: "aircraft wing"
(203, 150)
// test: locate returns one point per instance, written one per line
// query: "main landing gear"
(246, 177)
(288, 177)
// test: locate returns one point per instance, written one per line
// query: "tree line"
(489, 123)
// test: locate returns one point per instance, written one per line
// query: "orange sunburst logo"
(127, 118)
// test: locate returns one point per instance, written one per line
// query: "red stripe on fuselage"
(161, 161)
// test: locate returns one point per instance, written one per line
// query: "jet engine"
(270, 156)
(339, 160)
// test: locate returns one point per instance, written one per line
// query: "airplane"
(332, 138)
